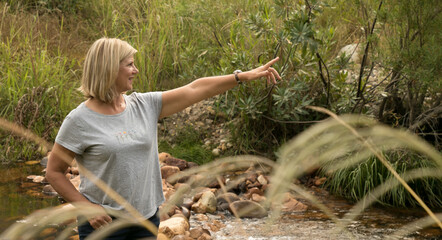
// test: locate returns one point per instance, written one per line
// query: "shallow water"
(374, 223)
(21, 197)
(305, 227)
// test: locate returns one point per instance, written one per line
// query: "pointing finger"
(271, 62)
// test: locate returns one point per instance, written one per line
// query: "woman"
(114, 135)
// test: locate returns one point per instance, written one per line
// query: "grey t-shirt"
(120, 149)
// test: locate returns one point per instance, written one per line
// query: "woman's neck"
(117, 106)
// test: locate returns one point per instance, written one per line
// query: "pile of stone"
(244, 200)
(72, 174)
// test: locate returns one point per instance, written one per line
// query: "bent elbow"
(50, 176)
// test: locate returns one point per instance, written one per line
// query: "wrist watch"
(236, 76)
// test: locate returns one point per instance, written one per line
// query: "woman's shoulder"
(78, 112)
(146, 97)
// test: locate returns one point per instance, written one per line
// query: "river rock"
(187, 203)
(293, 205)
(199, 192)
(262, 180)
(182, 237)
(44, 161)
(167, 171)
(181, 164)
(174, 226)
(264, 187)
(251, 176)
(320, 181)
(186, 212)
(254, 185)
(215, 226)
(198, 195)
(201, 217)
(74, 170)
(224, 200)
(206, 204)
(258, 198)
(76, 181)
(162, 236)
(238, 185)
(168, 209)
(248, 209)
(195, 233)
(196, 179)
(215, 183)
(31, 177)
(38, 179)
(352, 51)
(68, 176)
(166, 185)
(252, 191)
(184, 187)
(168, 193)
(33, 162)
(204, 236)
(163, 156)
(216, 152)
(191, 164)
(49, 190)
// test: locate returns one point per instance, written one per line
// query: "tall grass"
(37, 85)
(355, 181)
(317, 145)
(43, 44)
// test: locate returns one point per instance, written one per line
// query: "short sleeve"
(70, 135)
(152, 99)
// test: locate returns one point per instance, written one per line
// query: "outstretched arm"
(178, 99)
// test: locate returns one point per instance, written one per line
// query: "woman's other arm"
(59, 160)
(177, 99)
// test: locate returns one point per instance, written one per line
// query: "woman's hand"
(101, 220)
(264, 71)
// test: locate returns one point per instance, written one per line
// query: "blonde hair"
(101, 67)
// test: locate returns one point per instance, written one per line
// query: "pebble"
(216, 152)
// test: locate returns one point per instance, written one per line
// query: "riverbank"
(21, 196)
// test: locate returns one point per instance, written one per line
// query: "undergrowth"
(44, 42)
(356, 181)
(188, 145)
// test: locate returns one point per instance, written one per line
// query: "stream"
(374, 223)
(21, 197)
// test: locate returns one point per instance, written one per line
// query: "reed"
(317, 145)
(37, 85)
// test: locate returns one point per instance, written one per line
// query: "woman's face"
(126, 75)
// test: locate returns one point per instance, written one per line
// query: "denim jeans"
(134, 232)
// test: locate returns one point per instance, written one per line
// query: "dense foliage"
(396, 78)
